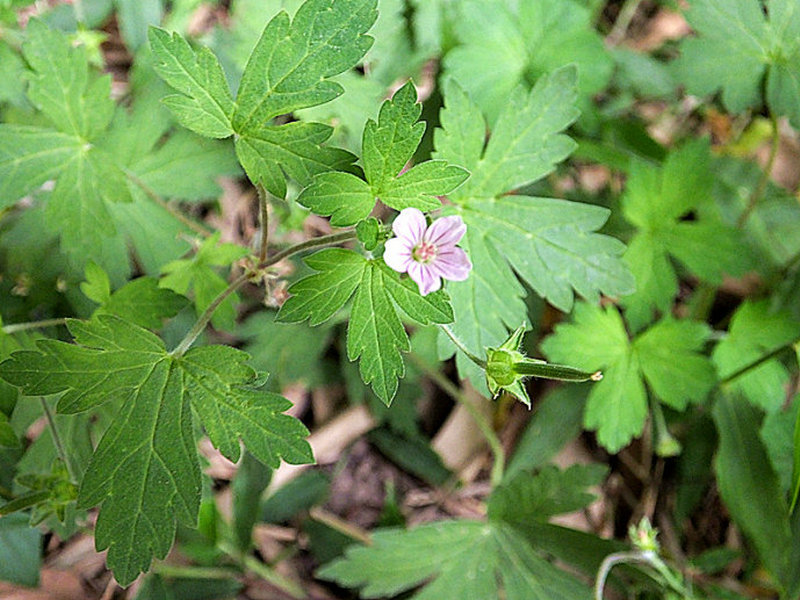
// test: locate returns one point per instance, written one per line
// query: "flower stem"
(761, 186)
(60, 449)
(263, 207)
(461, 346)
(203, 320)
(15, 327)
(483, 424)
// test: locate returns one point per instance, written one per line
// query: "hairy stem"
(15, 327)
(263, 207)
(624, 18)
(461, 346)
(761, 186)
(59, 444)
(203, 320)
(483, 424)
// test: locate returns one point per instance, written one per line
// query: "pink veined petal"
(410, 225)
(424, 277)
(397, 254)
(446, 231)
(452, 264)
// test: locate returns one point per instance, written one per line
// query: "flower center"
(425, 252)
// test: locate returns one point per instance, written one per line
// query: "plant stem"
(190, 223)
(203, 320)
(761, 186)
(15, 327)
(263, 207)
(187, 572)
(266, 572)
(624, 18)
(461, 346)
(483, 424)
(60, 449)
(758, 362)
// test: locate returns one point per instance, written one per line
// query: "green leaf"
(61, 86)
(134, 16)
(756, 330)
(198, 275)
(20, 551)
(97, 286)
(749, 486)
(387, 147)
(29, 156)
(454, 559)
(501, 47)
(290, 69)
(205, 104)
(777, 434)
(216, 378)
(317, 297)
(293, 60)
(143, 302)
(749, 43)
(294, 149)
(667, 353)
(145, 470)
(376, 335)
(657, 201)
(551, 243)
(548, 493)
(252, 478)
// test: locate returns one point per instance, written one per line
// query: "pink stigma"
(425, 252)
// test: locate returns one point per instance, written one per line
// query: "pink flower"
(427, 254)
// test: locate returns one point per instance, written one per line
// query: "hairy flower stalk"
(427, 253)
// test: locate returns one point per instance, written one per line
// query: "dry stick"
(486, 429)
(202, 321)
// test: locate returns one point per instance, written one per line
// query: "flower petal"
(397, 254)
(410, 225)
(446, 231)
(424, 277)
(453, 264)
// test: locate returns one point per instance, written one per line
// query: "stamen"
(425, 252)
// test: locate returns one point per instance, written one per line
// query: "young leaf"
(145, 470)
(655, 201)
(756, 330)
(454, 559)
(748, 43)
(667, 353)
(501, 47)
(388, 145)
(198, 274)
(551, 243)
